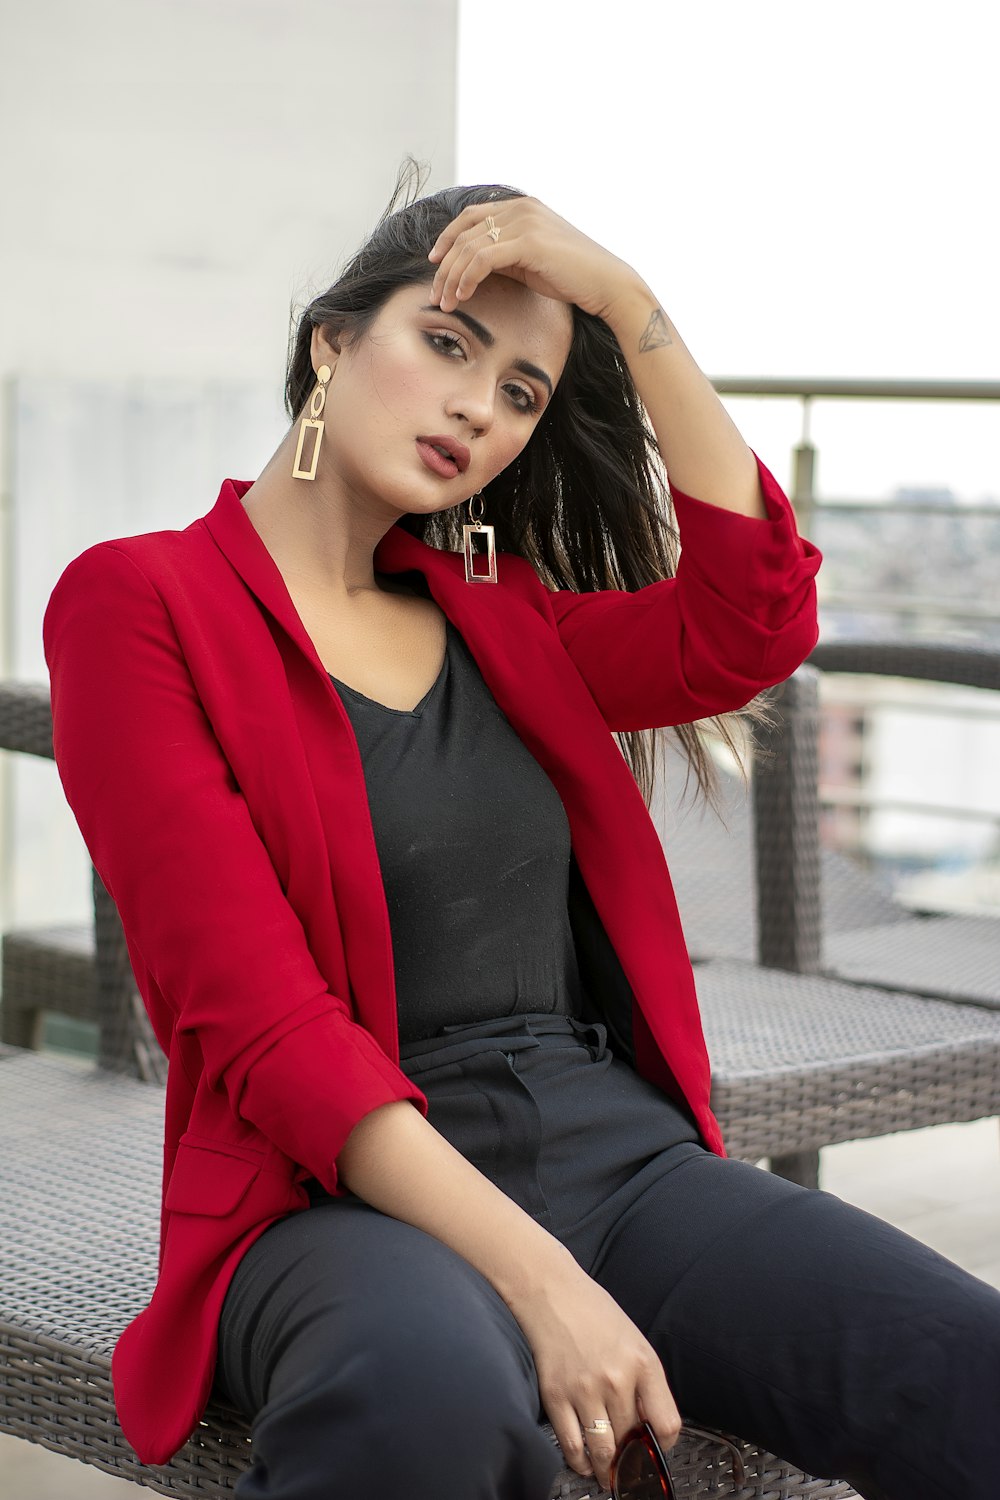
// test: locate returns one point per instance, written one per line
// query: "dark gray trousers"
(373, 1360)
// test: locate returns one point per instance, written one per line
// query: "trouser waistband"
(507, 1034)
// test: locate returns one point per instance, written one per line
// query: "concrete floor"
(940, 1185)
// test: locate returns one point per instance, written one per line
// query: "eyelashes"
(446, 344)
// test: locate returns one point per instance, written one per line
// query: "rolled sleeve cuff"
(762, 561)
(309, 1090)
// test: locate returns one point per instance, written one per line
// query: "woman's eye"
(523, 399)
(447, 343)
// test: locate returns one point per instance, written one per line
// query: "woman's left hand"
(536, 247)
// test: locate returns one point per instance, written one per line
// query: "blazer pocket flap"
(208, 1180)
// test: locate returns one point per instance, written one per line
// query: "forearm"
(396, 1161)
(700, 444)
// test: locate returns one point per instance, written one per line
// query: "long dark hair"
(585, 501)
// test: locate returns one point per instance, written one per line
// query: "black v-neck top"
(474, 848)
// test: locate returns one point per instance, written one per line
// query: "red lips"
(456, 451)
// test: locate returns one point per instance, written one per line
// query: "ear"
(325, 347)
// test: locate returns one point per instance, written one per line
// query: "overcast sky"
(809, 188)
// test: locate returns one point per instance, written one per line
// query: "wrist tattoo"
(656, 333)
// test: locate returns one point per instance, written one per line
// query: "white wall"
(176, 170)
(175, 173)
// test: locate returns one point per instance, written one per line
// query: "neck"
(317, 531)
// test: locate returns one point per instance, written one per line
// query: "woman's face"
(479, 377)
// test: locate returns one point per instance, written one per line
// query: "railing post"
(786, 828)
(804, 474)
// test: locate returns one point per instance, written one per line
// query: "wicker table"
(800, 1061)
(79, 1202)
(951, 958)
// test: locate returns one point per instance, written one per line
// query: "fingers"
(466, 252)
(602, 1434)
(469, 219)
(465, 264)
(572, 1439)
(590, 1430)
(657, 1406)
(589, 1436)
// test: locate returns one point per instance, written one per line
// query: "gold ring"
(493, 232)
(600, 1426)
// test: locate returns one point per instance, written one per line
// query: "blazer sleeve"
(172, 837)
(739, 616)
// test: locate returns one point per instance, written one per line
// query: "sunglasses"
(639, 1470)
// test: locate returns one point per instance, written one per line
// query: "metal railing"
(802, 492)
(807, 387)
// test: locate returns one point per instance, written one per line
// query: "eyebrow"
(482, 333)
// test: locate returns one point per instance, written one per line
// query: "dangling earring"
(313, 423)
(468, 532)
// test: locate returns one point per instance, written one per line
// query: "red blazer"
(216, 779)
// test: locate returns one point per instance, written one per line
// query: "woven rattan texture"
(79, 1202)
(701, 1468)
(712, 866)
(46, 969)
(957, 958)
(26, 718)
(800, 1061)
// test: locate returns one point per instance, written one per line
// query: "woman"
(389, 887)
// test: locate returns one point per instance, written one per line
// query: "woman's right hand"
(594, 1364)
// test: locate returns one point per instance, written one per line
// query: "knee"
(458, 1363)
(425, 1398)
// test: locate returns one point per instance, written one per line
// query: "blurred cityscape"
(921, 563)
(909, 769)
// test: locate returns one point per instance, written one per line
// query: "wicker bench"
(79, 1199)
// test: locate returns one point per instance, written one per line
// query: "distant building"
(925, 494)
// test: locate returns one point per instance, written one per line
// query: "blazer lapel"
(238, 538)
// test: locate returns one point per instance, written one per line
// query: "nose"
(473, 402)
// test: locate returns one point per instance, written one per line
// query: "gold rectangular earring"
(307, 425)
(479, 529)
(314, 424)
